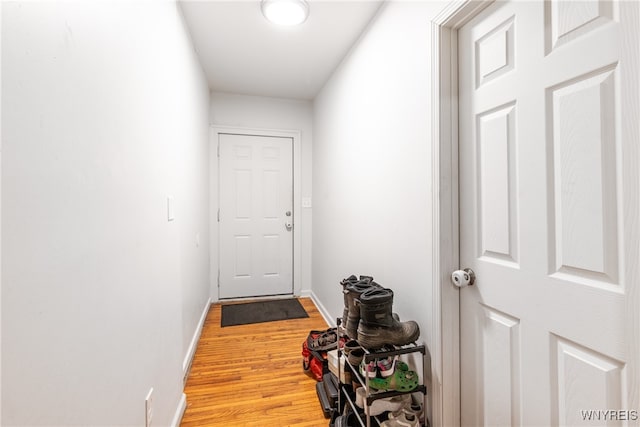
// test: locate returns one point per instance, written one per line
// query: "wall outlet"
(148, 408)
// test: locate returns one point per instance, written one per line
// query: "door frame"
(214, 200)
(445, 329)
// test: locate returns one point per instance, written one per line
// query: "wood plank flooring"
(251, 375)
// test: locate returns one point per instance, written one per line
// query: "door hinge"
(218, 278)
(218, 150)
(218, 214)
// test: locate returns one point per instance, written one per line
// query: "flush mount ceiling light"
(285, 12)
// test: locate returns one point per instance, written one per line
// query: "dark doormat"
(262, 311)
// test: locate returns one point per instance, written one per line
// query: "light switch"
(306, 202)
(170, 214)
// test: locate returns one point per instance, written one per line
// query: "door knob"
(288, 226)
(463, 278)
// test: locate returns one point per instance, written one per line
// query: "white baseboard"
(182, 406)
(331, 321)
(188, 358)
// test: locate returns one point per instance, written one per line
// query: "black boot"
(344, 282)
(377, 323)
(352, 293)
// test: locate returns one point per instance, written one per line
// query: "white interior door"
(256, 215)
(549, 189)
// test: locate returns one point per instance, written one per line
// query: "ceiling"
(241, 52)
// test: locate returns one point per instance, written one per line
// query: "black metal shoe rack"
(369, 420)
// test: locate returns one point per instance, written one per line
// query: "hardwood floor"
(251, 375)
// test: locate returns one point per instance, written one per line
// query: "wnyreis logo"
(609, 415)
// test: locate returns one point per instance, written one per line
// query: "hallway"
(110, 203)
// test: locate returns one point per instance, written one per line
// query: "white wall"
(258, 112)
(0, 221)
(104, 115)
(372, 165)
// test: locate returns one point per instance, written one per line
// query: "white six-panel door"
(549, 208)
(256, 207)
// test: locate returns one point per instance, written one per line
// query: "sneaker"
(387, 366)
(414, 409)
(377, 407)
(371, 369)
(404, 420)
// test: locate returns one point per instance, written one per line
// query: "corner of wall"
(326, 315)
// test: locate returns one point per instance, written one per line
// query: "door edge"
(445, 327)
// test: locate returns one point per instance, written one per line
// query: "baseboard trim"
(182, 406)
(188, 358)
(331, 321)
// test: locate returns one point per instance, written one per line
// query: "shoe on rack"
(351, 345)
(352, 293)
(386, 366)
(349, 420)
(344, 282)
(369, 369)
(377, 407)
(405, 420)
(402, 380)
(355, 357)
(414, 409)
(377, 326)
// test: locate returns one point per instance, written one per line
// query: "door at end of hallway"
(256, 215)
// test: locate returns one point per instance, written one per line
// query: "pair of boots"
(369, 316)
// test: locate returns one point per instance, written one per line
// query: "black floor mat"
(261, 311)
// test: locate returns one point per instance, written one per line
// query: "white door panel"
(256, 193)
(549, 189)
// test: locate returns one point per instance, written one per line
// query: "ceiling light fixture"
(285, 12)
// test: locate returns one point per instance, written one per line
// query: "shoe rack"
(365, 419)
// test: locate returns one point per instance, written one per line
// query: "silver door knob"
(462, 278)
(288, 226)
